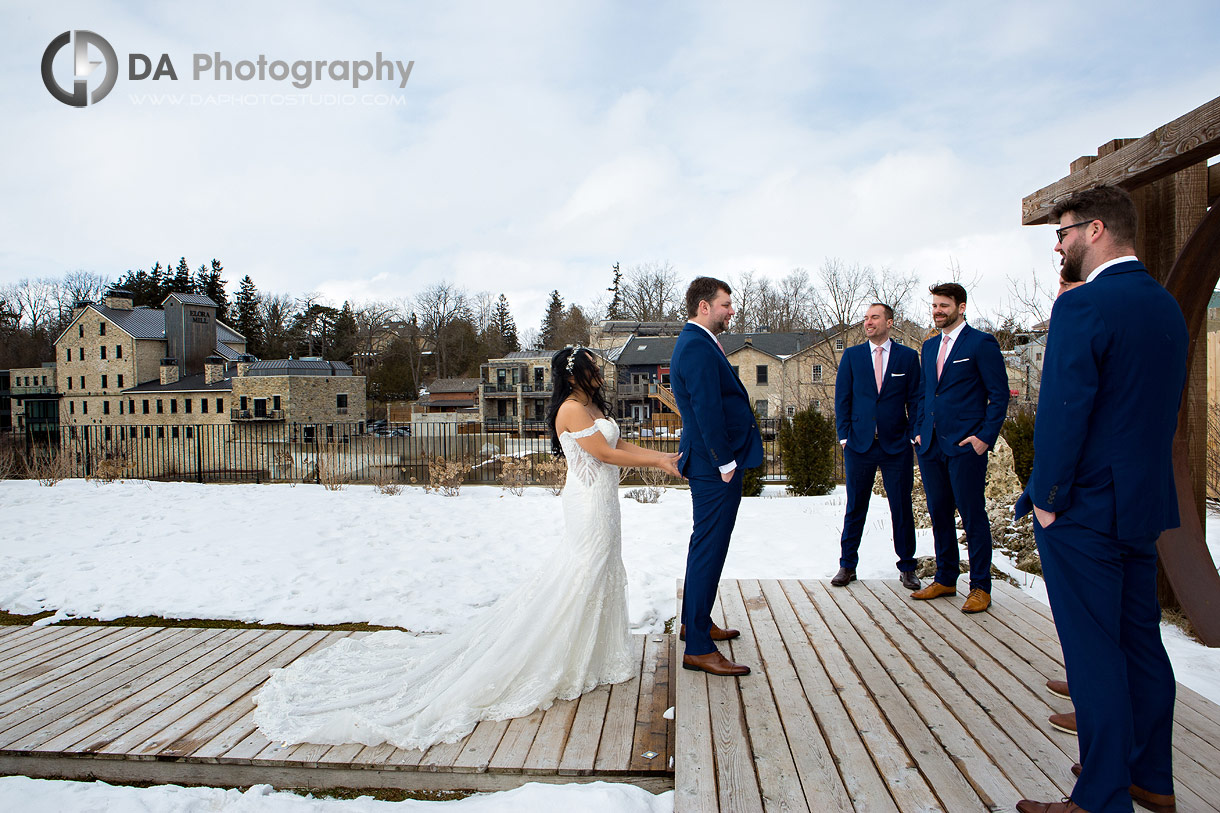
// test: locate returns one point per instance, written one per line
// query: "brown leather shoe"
(1156, 802)
(717, 633)
(909, 580)
(844, 577)
(934, 590)
(978, 600)
(1059, 688)
(714, 664)
(1066, 806)
(1064, 722)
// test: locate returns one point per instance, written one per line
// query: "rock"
(1003, 484)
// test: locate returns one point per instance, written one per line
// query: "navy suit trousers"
(957, 481)
(715, 507)
(1103, 594)
(898, 475)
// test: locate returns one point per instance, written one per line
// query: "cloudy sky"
(537, 143)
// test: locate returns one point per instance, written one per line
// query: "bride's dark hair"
(585, 375)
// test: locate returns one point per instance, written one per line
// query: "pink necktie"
(721, 346)
(940, 357)
(878, 368)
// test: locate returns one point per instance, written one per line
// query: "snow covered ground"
(300, 554)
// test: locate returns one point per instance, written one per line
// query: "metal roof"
(650, 350)
(299, 367)
(191, 383)
(224, 333)
(774, 344)
(190, 299)
(524, 355)
(454, 385)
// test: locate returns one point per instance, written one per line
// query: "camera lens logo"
(82, 68)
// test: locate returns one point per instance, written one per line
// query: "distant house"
(453, 397)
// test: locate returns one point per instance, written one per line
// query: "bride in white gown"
(555, 636)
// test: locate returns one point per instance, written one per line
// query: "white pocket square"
(959, 361)
(897, 375)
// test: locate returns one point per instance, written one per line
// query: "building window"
(791, 411)
(160, 407)
(84, 407)
(148, 431)
(173, 432)
(121, 406)
(145, 406)
(80, 354)
(203, 405)
(762, 374)
(118, 351)
(105, 407)
(761, 408)
(80, 331)
(71, 407)
(736, 371)
(102, 350)
(101, 328)
(1037, 357)
(120, 380)
(103, 382)
(160, 433)
(190, 432)
(838, 344)
(330, 433)
(341, 400)
(220, 405)
(131, 432)
(131, 405)
(69, 382)
(173, 406)
(44, 381)
(68, 353)
(242, 404)
(816, 373)
(106, 433)
(186, 405)
(275, 402)
(27, 381)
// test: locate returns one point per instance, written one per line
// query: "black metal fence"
(274, 451)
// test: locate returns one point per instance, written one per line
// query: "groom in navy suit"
(965, 398)
(876, 397)
(1102, 491)
(720, 441)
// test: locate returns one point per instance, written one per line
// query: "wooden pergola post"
(1166, 173)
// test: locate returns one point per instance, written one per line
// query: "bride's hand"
(668, 463)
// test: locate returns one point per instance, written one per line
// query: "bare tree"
(1032, 298)
(795, 300)
(77, 286)
(750, 292)
(373, 324)
(33, 300)
(894, 289)
(651, 294)
(844, 289)
(438, 307)
(483, 310)
(276, 313)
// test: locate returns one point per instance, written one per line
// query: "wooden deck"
(862, 699)
(143, 704)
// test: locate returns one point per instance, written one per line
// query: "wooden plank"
(233, 723)
(514, 747)
(440, 757)
(694, 762)
(614, 753)
(863, 787)
(248, 650)
(580, 751)
(552, 735)
(72, 659)
(480, 746)
(994, 765)
(33, 651)
(946, 781)
(65, 703)
(143, 697)
(650, 734)
(1187, 140)
(1213, 184)
(176, 738)
(1035, 743)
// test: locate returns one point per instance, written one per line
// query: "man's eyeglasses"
(1059, 233)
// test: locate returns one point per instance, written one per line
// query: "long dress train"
(555, 636)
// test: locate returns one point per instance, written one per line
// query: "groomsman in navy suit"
(1102, 491)
(965, 398)
(720, 440)
(876, 397)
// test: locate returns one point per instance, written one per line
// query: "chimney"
(169, 371)
(118, 299)
(243, 363)
(79, 306)
(213, 369)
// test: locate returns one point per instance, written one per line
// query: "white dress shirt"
(1127, 259)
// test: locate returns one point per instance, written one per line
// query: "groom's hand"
(727, 476)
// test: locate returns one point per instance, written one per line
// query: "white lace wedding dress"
(556, 636)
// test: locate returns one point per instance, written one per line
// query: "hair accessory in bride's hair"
(572, 358)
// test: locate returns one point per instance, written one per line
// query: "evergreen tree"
(182, 282)
(502, 321)
(807, 443)
(345, 340)
(615, 309)
(248, 322)
(142, 286)
(160, 285)
(552, 323)
(211, 284)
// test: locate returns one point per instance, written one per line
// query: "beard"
(1071, 268)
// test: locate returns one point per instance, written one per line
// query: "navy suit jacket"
(862, 413)
(971, 397)
(1108, 407)
(717, 420)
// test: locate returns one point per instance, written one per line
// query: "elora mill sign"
(199, 317)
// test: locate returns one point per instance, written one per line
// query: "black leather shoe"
(908, 579)
(843, 577)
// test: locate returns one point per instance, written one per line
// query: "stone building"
(34, 398)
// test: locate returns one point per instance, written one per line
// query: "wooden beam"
(1187, 140)
(1213, 184)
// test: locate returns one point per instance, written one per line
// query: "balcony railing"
(38, 390)
(496, 388)
(236, 414)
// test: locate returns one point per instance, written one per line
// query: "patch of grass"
(12, 619)
(384, 794)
